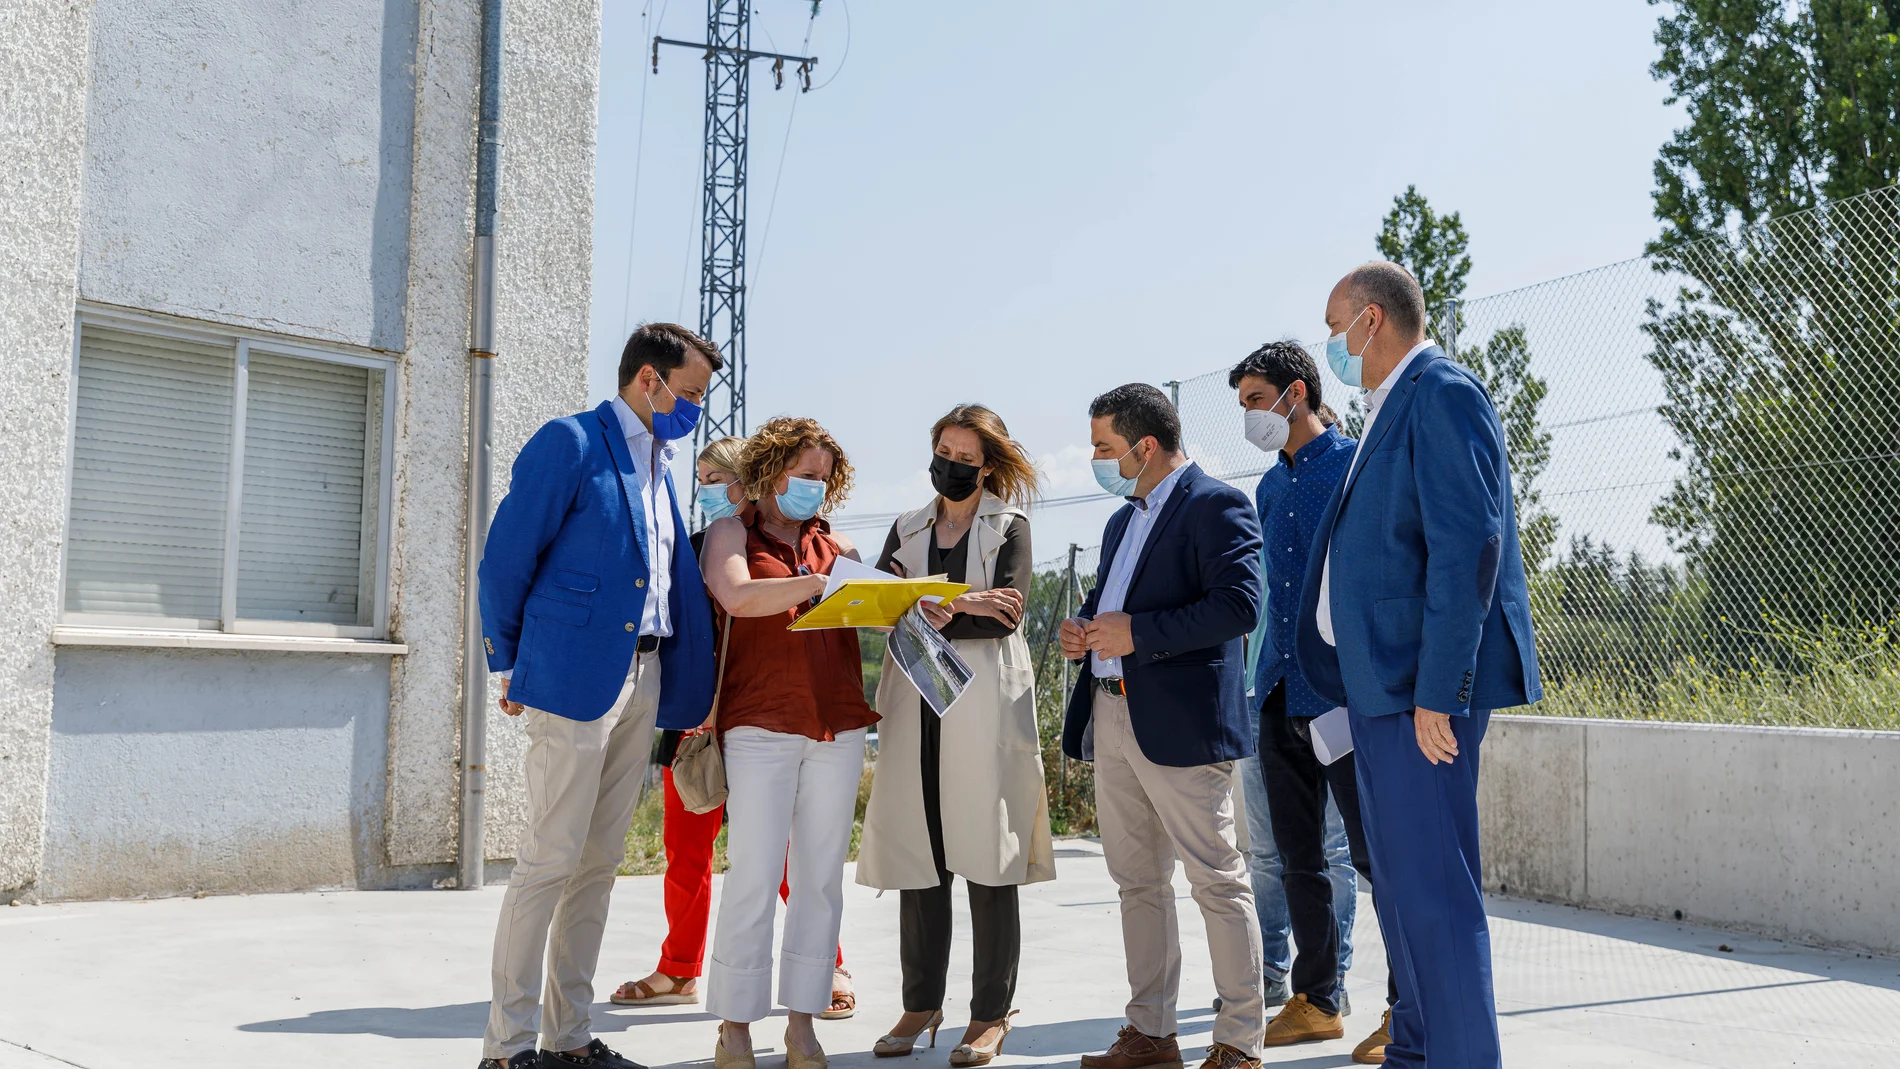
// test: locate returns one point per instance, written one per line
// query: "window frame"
(242, 342)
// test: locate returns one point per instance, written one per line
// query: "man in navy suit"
(1162, 711)
(590, 599)
(1416, 617)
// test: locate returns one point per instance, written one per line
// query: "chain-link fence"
(1705, 446)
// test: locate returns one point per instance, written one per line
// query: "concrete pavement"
(400, 979)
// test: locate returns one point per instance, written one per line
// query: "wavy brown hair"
(775, 447)
(1012, 476)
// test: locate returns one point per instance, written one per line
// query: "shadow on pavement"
(1690, 938)
(463, 1020)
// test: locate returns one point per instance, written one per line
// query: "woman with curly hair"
(792, 717)
(689, 837)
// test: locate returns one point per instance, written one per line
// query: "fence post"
(1174, 393)
(1062, 756)
(1451, 328)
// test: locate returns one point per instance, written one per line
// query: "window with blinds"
(226, 484)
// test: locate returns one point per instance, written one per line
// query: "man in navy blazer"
(1161, 708)
(594, 613)
(1416, 617)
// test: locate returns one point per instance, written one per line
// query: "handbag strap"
(719, 680)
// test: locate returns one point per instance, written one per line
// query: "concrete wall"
(174, 772)
(42, 143)
(1785, 831)
(250, 163)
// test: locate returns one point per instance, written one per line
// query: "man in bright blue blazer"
(1161, 708)
(1416, 617)
(594, 614)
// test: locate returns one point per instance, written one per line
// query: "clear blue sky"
(1025, 203)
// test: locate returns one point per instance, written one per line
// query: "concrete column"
(425, 569)
(550, 92)
(42, 150)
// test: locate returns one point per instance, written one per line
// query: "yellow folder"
(873, 602)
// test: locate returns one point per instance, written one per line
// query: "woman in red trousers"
(689, 836)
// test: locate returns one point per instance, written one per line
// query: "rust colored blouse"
(806, 683)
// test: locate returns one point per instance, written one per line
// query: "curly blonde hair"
(775, 447)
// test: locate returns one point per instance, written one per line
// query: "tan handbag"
(699, 768)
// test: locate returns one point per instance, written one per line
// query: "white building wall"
(42, 142)
(306, 170)
(549, 96)
(250, 163)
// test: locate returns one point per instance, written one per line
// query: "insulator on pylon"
(778, 74)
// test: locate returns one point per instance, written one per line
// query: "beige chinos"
(1149, 815)
(583, 782)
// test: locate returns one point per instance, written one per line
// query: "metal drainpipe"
(470, 852)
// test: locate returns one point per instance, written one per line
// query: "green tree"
(1434, 248)
(1431, 246)
(1789, 104)
(1776, 351)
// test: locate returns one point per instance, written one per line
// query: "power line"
(784, 149)
(882, 519)
(639, 153)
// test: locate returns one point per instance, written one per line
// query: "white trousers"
(789, 805)
(583, 782)
(1149, 815)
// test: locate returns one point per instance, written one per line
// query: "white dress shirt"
(650, 458)
(1323, 613)
(1122, 572)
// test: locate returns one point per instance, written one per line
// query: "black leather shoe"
(605, 1058)
(598, 1056)
(526, 1059)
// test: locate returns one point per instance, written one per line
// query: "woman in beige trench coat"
(962, 795)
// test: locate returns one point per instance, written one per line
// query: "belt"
(648, 643)
(1113, 686)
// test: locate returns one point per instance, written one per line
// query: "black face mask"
(953, 480)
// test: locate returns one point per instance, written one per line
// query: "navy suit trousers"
(1421, 825)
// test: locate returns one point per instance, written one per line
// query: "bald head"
(1392, 288)
(1381, 310)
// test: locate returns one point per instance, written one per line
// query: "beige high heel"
(895, 1046)
(969, 1054)
(726, 1059)
(798, 1059)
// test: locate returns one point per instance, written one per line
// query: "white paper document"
(845, 569)
(1331, 732)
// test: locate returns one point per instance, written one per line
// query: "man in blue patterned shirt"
(1305, 812)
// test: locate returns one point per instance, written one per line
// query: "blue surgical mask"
(713, 502)
(678, 424)
(1108, 474)
(1348, 367)
(802, 499)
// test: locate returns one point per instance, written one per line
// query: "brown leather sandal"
(685, 991)
(843, 1003)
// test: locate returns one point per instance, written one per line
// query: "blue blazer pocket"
(552, 609)
(1398, 632)
(573, 580)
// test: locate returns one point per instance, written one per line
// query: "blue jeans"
(1269, 898)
